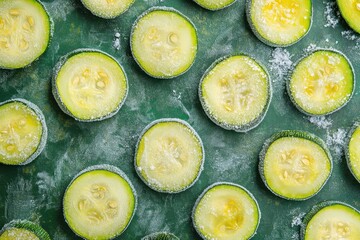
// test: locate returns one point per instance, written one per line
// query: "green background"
(35, 191)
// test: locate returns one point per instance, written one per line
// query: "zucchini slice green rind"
(352, 151)
(214, 5)
(99, 203)
(169, 155)
(321, 83)
(160, 236)
(89, 85)
(331, 220)
(295, 165)
(25, 32)
(279, 23)
(226, 211)
(163, 42)
(235, 93)
(23, 132)
(107, 9)
(350, 11)
(24, 230)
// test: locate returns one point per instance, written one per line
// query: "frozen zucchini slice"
(235, 93)
(23, 230)
(99, 203)
(295, 165)
(352, 151)
(169, 155)
(23, 132)
(350, 11)
(321, 83)
(107, 9)
(214, 4)
(25, 32)
(89, 85)
(163, 42)
(279, 23)
(226, 211)
(160, 236)
(331, 220)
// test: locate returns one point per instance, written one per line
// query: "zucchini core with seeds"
(107, 9)
(353, 152)
(350, 11)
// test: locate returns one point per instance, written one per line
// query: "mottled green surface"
(35, 191)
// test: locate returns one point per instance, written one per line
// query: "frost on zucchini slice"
(99, 203)
(279, 23)
(226, 211)
(235, 93)
(160, 236)
(107, 9)
(169, 155)
(321, 83)
(24, 230)
(352, 151)
(350, 11)
(164, 42)
(214, 4)
(331, 220)
(89, 85)
(25, 32)
(23, 132)
(295, 165)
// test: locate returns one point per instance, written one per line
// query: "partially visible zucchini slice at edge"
(107, 9)
(352, 151)
(23, 132)
(160, 236)
(350, 11)
(24, 230)
(214, 5)
(99, 203)
(89, 85)
(25, 32)
(163, 42)
(226, 211)
(295, 165)
(331, 220)
(235, 93)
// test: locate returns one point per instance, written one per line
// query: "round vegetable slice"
(350, 11)
(322, 82)
(25, 32)
(295, 165)
(352, 151)
(99, 203)
(23, 229)
(279, 23)
(235, 93)
(169, 155)
(160, 236)
(23, 132)
(89, 85)
(163, 42)
(331, 220)
(214, 4)
(226, 211)
(107, 9)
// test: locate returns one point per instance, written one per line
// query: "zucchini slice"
(169, 155)
(295, 165)
(163, 42)
(107, 9)
(350, 11)
(279, 23)
(25, 32)
(226, 211)
(99, 203)
(321, 83)
(235, 93)
(352, 151)
(23, 132)
(23, 230)
(89, 85)
(331, 220)
(160, 236)
(214, 5)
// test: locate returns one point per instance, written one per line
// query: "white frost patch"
(280, 63)
(321, 122)
(297, 220)
(332, 14)
(311, 48)
(59, 10)
(336, 140)
(116, 42)
(352, 36)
